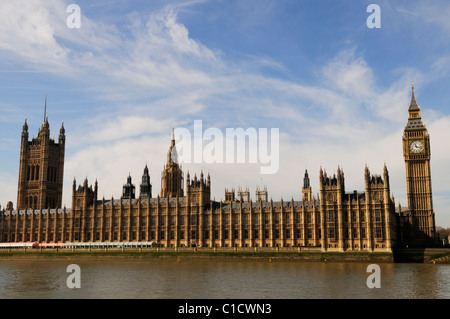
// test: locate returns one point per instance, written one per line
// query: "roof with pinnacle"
(414, 123)
(413, 106)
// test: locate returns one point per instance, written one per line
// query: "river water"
(211, 279)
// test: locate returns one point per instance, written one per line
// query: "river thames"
(208, 279)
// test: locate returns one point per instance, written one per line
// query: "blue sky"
(337, 90)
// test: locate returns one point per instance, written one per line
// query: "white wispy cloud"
(154, 76)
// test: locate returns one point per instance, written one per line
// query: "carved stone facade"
(41, 169)
(335, 221)
(184, 215)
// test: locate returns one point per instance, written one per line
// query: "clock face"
(416, 146)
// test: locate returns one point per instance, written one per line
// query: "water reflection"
(211, 279)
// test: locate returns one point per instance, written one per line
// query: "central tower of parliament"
(184, 215)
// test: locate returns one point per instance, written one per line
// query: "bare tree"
(442, 232)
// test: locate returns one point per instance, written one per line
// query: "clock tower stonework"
(416, 153)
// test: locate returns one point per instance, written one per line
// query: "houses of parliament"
(184, 215)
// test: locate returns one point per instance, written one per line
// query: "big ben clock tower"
(416, 153)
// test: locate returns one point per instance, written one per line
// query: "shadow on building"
(413, 244)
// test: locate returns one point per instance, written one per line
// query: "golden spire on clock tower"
(414, 117)
(413, 106)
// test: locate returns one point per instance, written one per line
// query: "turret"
(85, 195)
(366, 175)
(128, 190)
(25, 131)
(146, 186)
(230, 195)
(386, 176)
(62, 134)
(261, 194)
(306, 181)
(322, 178)
(243, 195)
(198, 190)
(306, 190)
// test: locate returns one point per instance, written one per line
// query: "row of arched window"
(33, 173)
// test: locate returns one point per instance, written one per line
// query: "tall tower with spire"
(128, 189)
(41, 169)
(416, 153)
(146, 186)
(306, 190)
(172, 176)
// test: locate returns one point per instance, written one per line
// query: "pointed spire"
(172, 156)
(62, 136)
(413, 105)
(45, 109)
(306, 181)
(172, 142)
(128, 190)
(25, 131)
